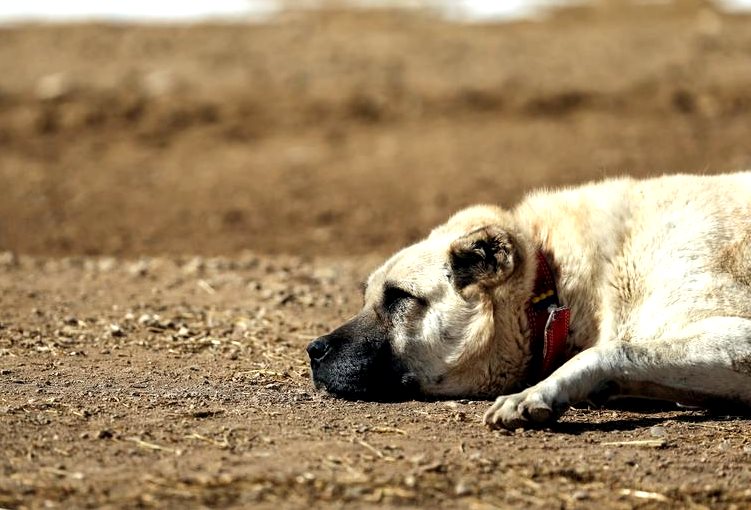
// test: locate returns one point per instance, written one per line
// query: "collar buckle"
(548, 320)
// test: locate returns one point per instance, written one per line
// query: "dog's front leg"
(587, 373)
(706, 363)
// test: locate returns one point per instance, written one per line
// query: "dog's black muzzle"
(356, 362)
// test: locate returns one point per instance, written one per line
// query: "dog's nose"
(318, 348)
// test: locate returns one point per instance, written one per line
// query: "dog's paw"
(529, 408)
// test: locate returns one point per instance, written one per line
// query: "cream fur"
(657, 274)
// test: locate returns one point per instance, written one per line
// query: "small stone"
(580, 495)
(116, 330)
(145, 319)
(410, 481)
(53, 86)
(658, 431)
(194, 266)
(462, 489)
(105, 434)
(8, 259)
(183, 332)
(159, 82)
(106, 264)
(305, 477)
(140, 268)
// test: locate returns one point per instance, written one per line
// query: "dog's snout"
(318, 348)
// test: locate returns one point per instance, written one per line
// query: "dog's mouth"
(355, 362)
(407, 390)
(352, 376)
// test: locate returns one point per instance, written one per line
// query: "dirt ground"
(182, 209)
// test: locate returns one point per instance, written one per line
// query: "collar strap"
(548, 322)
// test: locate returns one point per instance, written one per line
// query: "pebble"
(105, 434)
(159, 82)
(140, 268)
(658, 431)
(53, 86)
(146, 319)
(116, 330)
(462, 489)
(106, 264)
(8, 259)
(195, 265)
(580, 495)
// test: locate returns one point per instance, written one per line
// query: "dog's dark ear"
(486, 256)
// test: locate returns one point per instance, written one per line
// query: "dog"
(619, 288)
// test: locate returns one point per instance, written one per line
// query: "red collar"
(548, 322)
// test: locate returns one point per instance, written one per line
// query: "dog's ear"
(486, 256)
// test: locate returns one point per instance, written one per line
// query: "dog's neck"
(548, 322)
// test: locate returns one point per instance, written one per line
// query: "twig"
(220, 444)
(654, 496)
(650, 443)
(387, 430)
(206, 286)
(149, 446)
(369, 447)
(76, 475)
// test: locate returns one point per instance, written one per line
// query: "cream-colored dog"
(618, 288)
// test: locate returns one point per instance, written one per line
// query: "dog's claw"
(541, 414)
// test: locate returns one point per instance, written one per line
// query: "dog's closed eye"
(396, 299)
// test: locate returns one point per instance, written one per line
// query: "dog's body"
(655, 276)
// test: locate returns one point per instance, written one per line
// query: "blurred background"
(342, 128)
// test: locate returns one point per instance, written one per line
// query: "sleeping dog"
(638, 288)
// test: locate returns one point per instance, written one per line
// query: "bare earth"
(193, 205)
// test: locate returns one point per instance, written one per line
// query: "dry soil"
(183, 208)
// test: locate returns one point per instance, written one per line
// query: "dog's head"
(442, 317)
